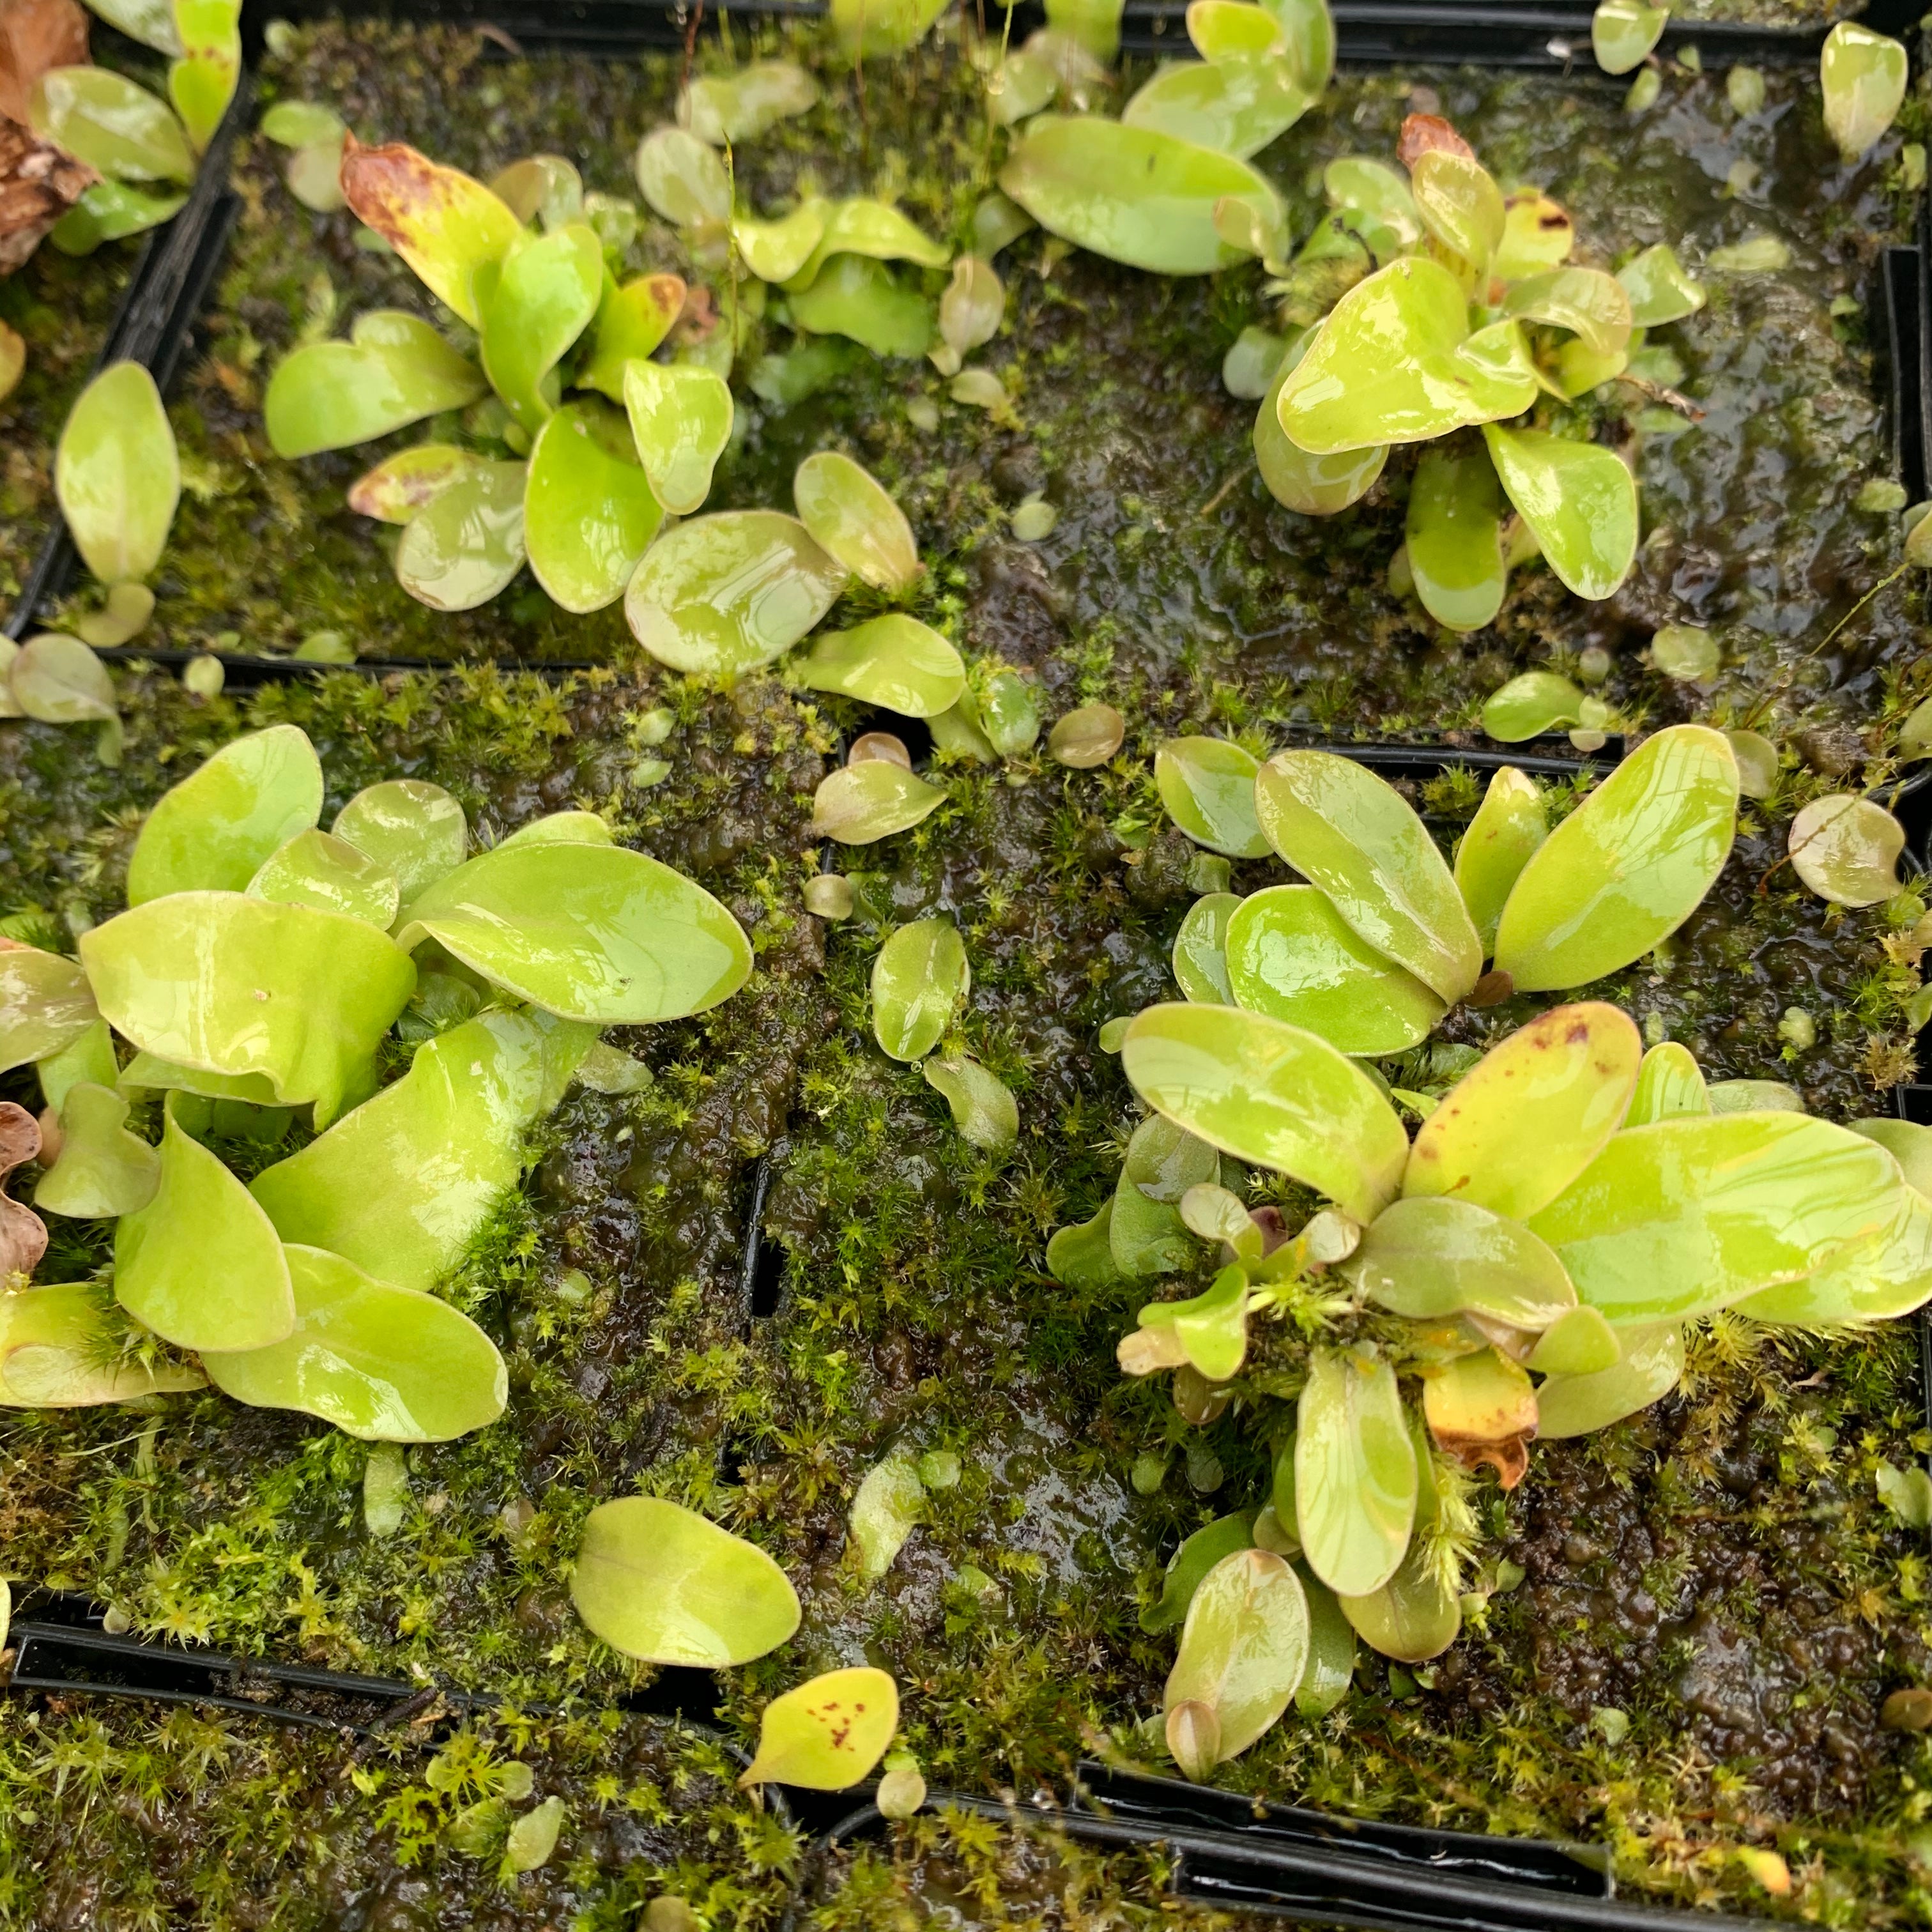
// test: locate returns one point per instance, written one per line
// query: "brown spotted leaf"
(1430, 134)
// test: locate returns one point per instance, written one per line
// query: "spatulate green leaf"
(589, 510)
(117, 474)
(466, 544)
(315, 868)
(1863, 75)
(1208, 786)
(1454, 533)
(918, 980)
(1243, 1649)
(852, 518)
(1530, 704)
(1649, 1369)
(1507, 830)
(118, 128)
(102, 1171)
(1354, 1472)
(1846, 849)
(410, 827)
(858, 805)
(46, 1004)
(1200, 955)
(1429, 1259)
(1579, 498)
(894, 661)
(632, 320)
(60, 1348)
(1236, 105)
(1623, 33)
(1669, 1082)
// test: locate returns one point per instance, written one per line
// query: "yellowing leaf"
(827, 1734)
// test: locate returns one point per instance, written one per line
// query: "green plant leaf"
(119, 129)
(118, 475)
(983, 1108)
(1460, 204)
(1579, 1405)
(724, 593)
(315, 868)
(150, 22)
(1211, 1327)
(1863, 75)
(1593, 306)
(1200, 954)
(110, 211)
(595, 933)
(1224, 30)
(102, 1171)
(682, 178)
(1908, 1143)
(1147, 1233)
(58, 680)
(750, 100)
(1580, 1342)
(852, 518)
(543, 190)
(1846, 849)
(865, 226)
(384, 1364)
(1530, 704)
(408, 827)
(1877, 1280)
(1623, 33)
(1354, 836)
(449, 229)
(859, 298)
(1628, 867)
(562, 828)
(149, 1071)
(201, 83)
(89, 1056)
(1133, 194)
(1290, 955)
(680, 421)
(1317, 486)
(1207, 787)
(1454, 534)
(632, 320)
(1330, 1668)
(535, 302)
(1669, 1082)
(661, 1582)
(1412, 1618)
(1692, 1214)
(894, 661)
(1375, 200)
(1243, 1650)
(1659, 289)
(1429, 1259)
(918, 979)
(1532, 1113)
(1537, 235)
(403, 1182)
(827, 1734)
(393, 490)
(46, 1004)
(1579, 498)
(1081, 1257)
(1190, 1563)
(233, 984)
(1236, 105)
(1508, 827)
(60, 1348)
(589, 511)
(200, 1263)
(466, 545)
(1395, 362)
(1354, 1472)
(216, 829)
(858, 805)
(1270, 1094)
(888, 1505)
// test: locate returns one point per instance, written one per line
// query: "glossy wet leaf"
(858, 805)
(1694, 1212)
(119, 129)
(1211, 1327)
(118, 475)
(982, 1105)
(1352, 835)
(1081, 1256)
(544, 190)
(1863, 76)
(862, 225)
(1537, 235)
(1243, 1648)
(1252, 362)
(201, 83)
(1271, 1094)
(384, 1363)
(1290, 955)
(1412, 1618)
(1207, 787)
(1532, 1113)
(89, 1056)
(1881, 1279)
(216, 829)
(59, 1348)
(1578, 1405)
(724, 593)
(150, 22)
(201, 1264)
(1579, 498)
(595, 933)
(1354, 1472)
(1008, 708)
(1628, 867)
(393, 490)
(827, 1734)
(1669, 1082)
(854, 519)
(1088, 736)
(102, 1171)
(410, 827)
(894, 661)
(1595, 307)
(236, 986)
(1508, 827)
(682, 178)
(150, 1070)
(1200, 954)
(589, 510)
(1235, 105)
(1580, 1342)
(315, 868)
(1460, 204)
(1480, 1409)
(1454, 535)
(1846, 849)
(449, 229)
(859, 298)
(1530, 704)
(1623, 33)
(631, 321)
(1232, 29)
(46, 1004)
(775, 251)
(660, 1583)
(970, 310)
(1317, 486)
(403, 1183)
(1428, 1259)
(748, 101)
(393, 370)
(1909, 1144)
(56, 679)
(919, 977)
(1659, 289)
(1395, 362)
(534, 303)
(1376, 201)
(1133, 194)
(466, 544)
